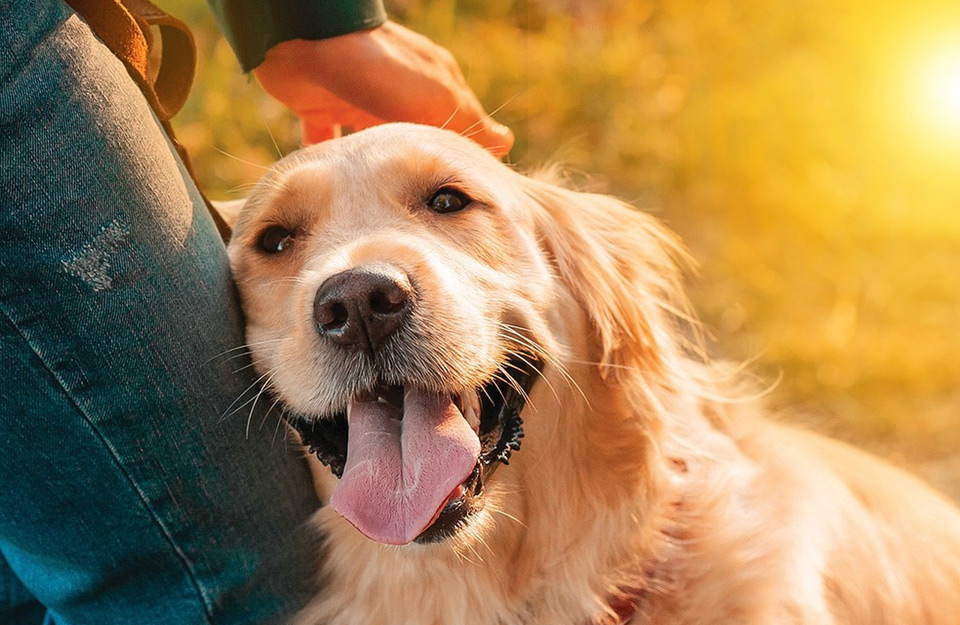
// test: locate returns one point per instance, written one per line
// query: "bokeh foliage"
(785, 141)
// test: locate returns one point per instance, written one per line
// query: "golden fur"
(641, 474)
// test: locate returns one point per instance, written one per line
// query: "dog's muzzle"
(500, 431)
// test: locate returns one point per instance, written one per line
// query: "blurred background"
(808, 152)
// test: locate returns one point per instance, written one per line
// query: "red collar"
(628, 601)
(627, 605)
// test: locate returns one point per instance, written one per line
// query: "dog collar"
(628, 602)
(626, 607)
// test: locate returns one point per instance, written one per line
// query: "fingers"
(445, 99)
(388, 73)
(315, 133)
(495, 137)
(435, 91)
(474, 124)
(470, 120)
(328, 117)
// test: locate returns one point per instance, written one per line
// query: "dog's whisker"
(246, 186)
(502, 512)
(480, 538)
(452, 115)
(252, 187)
(273, 139)
(266, 415)
(543, 354)
(289, 279)
(572, 382)
(487, 116)
(227, 351)
(474, 551)
(470, 135)
(459, 556)
(224, 414)
(281, 419)
(508, 379)
(610, 365)
(524, 340)
(539, 373)
(246, 432)
(245, 352)
(248, 354)
(486, 393)
(276, 430)
(247, 347)
(244, 367)
(516, 333)
(253, 404)
(501, 490)
(244, 161)
(228, 413)
(500, 374)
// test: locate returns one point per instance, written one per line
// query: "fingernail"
(502, 146)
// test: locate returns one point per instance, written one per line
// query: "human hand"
(388, 73)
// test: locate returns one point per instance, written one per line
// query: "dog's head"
(404, 292)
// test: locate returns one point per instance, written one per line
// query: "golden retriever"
(414, 304)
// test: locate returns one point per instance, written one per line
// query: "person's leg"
(17, 605)
(130, 493)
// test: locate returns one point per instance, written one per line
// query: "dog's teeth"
(471, 408)
(472, 400)
(472, 418)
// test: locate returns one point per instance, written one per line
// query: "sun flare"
(942, 92)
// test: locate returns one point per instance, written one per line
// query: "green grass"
(786, 142)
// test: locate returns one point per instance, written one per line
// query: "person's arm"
(342, 63)
(254, 26)
(388, 73)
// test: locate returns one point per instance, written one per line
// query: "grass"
(789, 144)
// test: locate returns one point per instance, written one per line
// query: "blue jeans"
(130, 490)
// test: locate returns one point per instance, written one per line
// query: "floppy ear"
(622, 266)
(228, 210)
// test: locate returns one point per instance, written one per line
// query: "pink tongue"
(399, 474)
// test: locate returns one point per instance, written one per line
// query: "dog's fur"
(642, 478)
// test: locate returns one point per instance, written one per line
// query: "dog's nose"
(361, 308)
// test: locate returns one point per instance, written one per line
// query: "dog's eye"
(276, 239)
(448, 200)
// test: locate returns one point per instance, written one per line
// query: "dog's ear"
(228, 210)
(623, 268)
(224, 214)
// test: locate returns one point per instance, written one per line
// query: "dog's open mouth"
(412, 463)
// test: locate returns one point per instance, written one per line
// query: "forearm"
(254, 26)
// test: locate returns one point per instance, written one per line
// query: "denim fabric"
(129, 493)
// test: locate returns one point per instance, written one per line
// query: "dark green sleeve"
(254, 26)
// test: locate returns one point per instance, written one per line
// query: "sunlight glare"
(942, 91)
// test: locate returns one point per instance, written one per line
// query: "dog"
(513, 422)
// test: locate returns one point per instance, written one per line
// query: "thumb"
(494, 136)
(314, 132)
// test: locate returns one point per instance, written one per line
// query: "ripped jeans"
(130, 489)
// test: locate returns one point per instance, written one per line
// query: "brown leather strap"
(178, 60)
(125, 27)
(110, 21)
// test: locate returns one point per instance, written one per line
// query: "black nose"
(361, 308)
